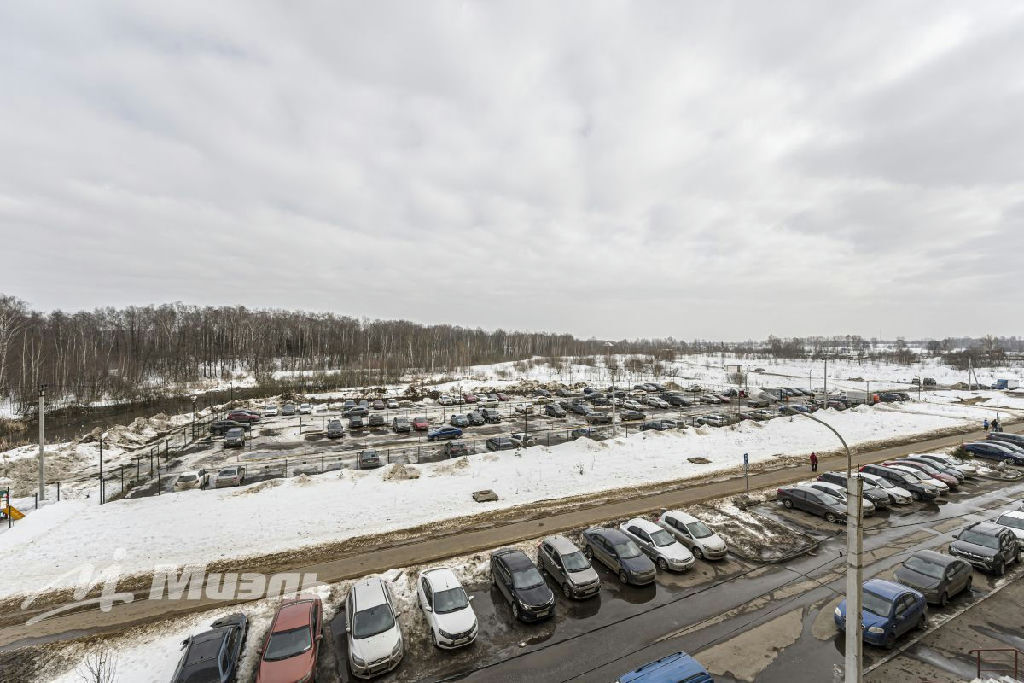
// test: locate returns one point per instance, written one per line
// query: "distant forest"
(136, 353)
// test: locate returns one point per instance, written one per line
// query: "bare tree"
(98, 667)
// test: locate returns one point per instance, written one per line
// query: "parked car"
(392, 403)
(459, 421)
(446, 608)
(491, 415)
(228, 476)
(554, 410)
(951, 481)
(1006, 437)
(305, 409)
(656, 425)
(1014, 521)
(694, 534)
(617, 552)
(213, 656)
(379, 404)
(335, 429)
(223, 426)
(445, 400)
(470, 398)
(568, 566)
(500, 443)
(375, 420)
(420, 424)
(356, 422)
(814, 501)
(657, 402)
(292, 644)
(987, 546)
(580, 408)
(524, 408)
(918, 489)
(244, 417)
(580, 431)
(522, 440)
(598, 418)
(713, 420)
(519, 582)
(669, 669)
(677, 401)
(542, 392)
(455, 449)
(631, 415)
(444, 433)
(658, 544)
(368, 460)
(190, 480)
(936, 576)
(270, 410)
(968, 469)
(867, 507)
(897, 494)
(288, 410)
(992, 450)
(400, 425)
(375, 644)
(234, 438)
(356, 411)
(889, 611)
(921, 475)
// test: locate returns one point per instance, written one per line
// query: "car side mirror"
(426, 607)
(348, 630)
(471, 598)
(320, 636)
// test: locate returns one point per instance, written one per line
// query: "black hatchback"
(212, 656)
(517, 579)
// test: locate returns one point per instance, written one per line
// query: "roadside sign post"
(746, 470)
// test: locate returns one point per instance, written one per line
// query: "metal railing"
(1003, 668)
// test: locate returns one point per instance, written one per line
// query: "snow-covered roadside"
(206, 526)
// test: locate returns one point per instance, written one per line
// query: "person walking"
(995, 425)
(814, 462)
(985, 424)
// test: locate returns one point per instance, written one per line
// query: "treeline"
(140, 352)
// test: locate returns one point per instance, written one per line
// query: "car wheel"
(698, 553)
(922, 623)
(494, 581)
(622, 576)
(916, 495)
(662, 564)
(943, 599)
(515, 609)
(999, 569)
(1009, 461)
(433, 638)
(588, 553)
(830, 518)
(566, 590)
(788, 504)
(890, 641)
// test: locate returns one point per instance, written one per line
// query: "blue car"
(890, 610)
(676, 668)
(992, 450)
(444, 433)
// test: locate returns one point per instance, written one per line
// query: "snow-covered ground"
(203, 526)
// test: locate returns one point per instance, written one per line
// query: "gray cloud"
(604, 168)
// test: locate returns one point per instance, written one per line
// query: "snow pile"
(400, 472)
(220, 524)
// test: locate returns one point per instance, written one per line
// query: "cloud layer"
(616, 169)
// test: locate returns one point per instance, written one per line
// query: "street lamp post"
(854, 563)
(42, 441)
(194, 399)
(102, 436)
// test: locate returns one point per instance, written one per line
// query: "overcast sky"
(615, 169)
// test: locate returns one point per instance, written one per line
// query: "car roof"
(989, 528)
(1015, 514)
(611, 535)
(561, 544)
(643, 524)
(681, 516)
(368, 592)
(513, 557)
(828, 485)
(936, 557)
(293, 614)
(440, 578)
(885, 589)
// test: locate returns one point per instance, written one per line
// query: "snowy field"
(202, 526)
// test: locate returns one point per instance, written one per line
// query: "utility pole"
(101, 467)
(42, 441)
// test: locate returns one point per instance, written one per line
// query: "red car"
(470, 398)
(292, 644)
(502, 397)
(246, 416)
(420, 424)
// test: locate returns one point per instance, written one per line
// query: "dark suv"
(919, 490)
(335, 429)
(616, 551)
(213, 655)
(987, 546)
(500, 443)
(814, 501)
(518, 580)
(554, 410)
(491, 415)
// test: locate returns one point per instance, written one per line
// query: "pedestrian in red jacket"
(814, 462)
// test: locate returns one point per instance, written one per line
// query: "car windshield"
(575, 562)
(662, 538)
(185, 478)
(450, 600)
(699, 530)
(626, 550)
(883, 482)
(1012, 522)
(285, 644)
(924, 566)
(910, 472)
(980, 539)
(226, 473)
(527, 578)
(370, 622)
(876, 604)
